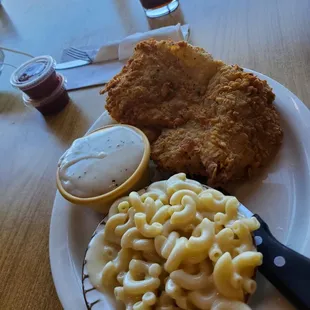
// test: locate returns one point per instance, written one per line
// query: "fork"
(78, 54)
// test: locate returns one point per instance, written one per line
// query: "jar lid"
(36, 103)
(33, 72)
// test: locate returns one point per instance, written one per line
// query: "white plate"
(279, 195)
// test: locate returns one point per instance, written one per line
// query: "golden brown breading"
(202, 116)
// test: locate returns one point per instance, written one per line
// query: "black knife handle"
(286, 269)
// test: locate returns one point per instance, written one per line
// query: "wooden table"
(272, 37)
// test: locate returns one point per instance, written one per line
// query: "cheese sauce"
(98, 163)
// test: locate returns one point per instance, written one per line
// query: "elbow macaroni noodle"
(179, 245)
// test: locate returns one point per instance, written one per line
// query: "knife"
(286, 269)
(72, 64)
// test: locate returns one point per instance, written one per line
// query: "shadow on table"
(171, 19)
(69, 124)
(11, 103)
(65, 126)
(6, 25)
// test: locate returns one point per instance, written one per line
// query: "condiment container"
(53, 103)
(138, 180)
(36, 77)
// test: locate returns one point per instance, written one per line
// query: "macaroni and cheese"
(176, 245)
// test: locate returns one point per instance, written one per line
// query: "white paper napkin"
(110, 58)
(91, 75)
(124, 49)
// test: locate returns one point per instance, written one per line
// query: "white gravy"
(100, 162)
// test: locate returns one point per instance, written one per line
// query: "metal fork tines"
(78, 54)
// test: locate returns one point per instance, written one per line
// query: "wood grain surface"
(269, 36)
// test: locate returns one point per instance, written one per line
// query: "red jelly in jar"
(36, 77)
(54, 103)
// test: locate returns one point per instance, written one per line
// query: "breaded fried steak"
(202, 116)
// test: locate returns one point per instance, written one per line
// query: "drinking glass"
(156, 8)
